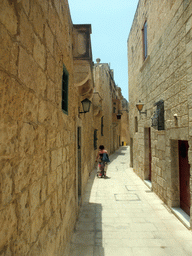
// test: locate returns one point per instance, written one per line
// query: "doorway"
(79, 162)
(147, 136)
(184, 176)
(131, 152)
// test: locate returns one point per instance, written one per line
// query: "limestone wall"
(102, 81)
(110, 94)
(87, 146)
(166, 75)
(38, 142)
(125, 137)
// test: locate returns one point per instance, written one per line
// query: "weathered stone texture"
(39, 52)
(23, 207)
(39, 179)
(107, 96)
(38, 203)
(49, 37)
(165, 74)
(37, 18)
(8, 16)
(8, 221)
(8, 51)
(26, 36)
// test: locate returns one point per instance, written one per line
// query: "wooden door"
(184, 176)
(131, 152)
(79, 161)
(149, 154)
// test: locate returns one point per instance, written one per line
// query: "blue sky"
(111, 21)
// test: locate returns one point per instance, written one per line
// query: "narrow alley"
(120, 215)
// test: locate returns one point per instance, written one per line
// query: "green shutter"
(65, 78)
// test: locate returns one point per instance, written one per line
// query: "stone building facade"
(107, 98)
(47, 146)
(43, 167)
(160, 68)
(125, 137)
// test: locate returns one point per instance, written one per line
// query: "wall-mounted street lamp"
(139, 106)
(119, 113)
(86, 103)
(118, 116)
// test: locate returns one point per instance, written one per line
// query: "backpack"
(105, 158)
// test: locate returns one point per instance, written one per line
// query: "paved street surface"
(120, 216)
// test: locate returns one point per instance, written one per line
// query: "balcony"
(97, 104)
(82, 58)
(116, 108)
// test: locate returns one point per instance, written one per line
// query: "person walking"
(102, 158)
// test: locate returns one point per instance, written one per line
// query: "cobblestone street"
(121, 216)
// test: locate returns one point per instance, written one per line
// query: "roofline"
(136, 12)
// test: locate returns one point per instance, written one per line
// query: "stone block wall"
(87, 153)
(163, 75)
(102, 81)
(125, 137)
(37, 140)
(110, 94)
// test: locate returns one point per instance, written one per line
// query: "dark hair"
(101, 147)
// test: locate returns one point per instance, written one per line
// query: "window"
(102, 125)
(158, 117)
(144, 30)
(136, 124)
(95, 139)
(132, 53)
(64, 103)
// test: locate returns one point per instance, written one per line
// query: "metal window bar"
(158, 117)
(161, 116)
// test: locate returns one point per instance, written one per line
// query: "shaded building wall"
(109, 134)
(116, 122)
(164, 75)
(83, 80)
(125, 138)
(102, 86)
(38, 194)
(88, 152)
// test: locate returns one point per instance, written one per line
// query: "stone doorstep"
(182, 216)
(148, 183)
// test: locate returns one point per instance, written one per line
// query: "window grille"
(65, 78)
(158, 117)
